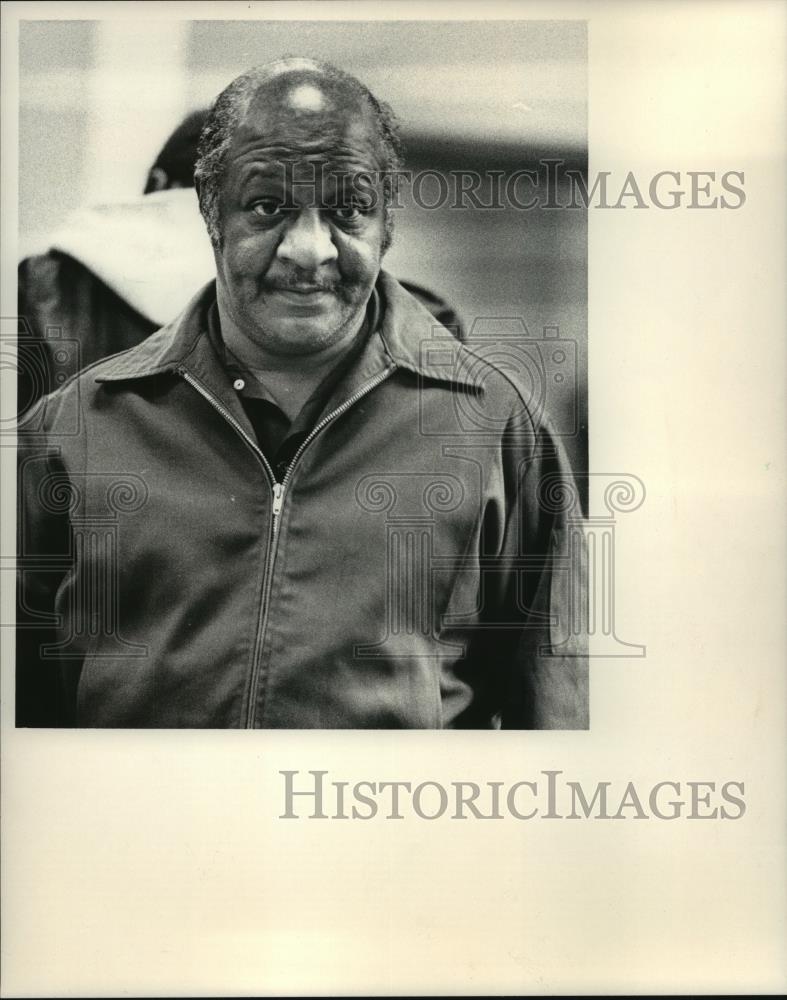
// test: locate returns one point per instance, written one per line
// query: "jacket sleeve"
(544, 676)
(44, 553)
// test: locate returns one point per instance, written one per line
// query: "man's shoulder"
(440, 308)
(66, 404)
(161, 352)
(157, 354)
(419, 341)
(142, 358)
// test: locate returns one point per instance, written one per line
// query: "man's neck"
(290, 379)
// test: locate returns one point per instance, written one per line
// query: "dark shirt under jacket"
(277, 437)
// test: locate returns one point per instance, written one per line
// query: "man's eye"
(348, 213)
(268, 207)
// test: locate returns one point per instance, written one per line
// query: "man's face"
(301, 235)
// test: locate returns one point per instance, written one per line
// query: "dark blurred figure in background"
(115, 273)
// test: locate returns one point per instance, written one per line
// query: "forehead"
(303, 118)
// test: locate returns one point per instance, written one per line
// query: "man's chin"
(300, 335)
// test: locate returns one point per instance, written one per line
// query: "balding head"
(305, 85)
(303, 94)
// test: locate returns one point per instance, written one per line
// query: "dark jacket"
(413, 568)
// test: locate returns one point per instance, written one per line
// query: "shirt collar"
(410, 336)
(255, 388)
(346, 373)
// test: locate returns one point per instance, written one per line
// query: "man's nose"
(307, 242)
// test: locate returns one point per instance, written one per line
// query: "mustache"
(297, 283)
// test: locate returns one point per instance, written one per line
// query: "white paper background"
(154, 863)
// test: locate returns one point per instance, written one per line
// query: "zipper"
(278, 492)
(218, 405)
(278, 500)
(272, 533)
(372, 384)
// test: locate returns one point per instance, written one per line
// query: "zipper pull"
(278, 491)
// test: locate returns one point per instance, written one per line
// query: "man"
(302, 504)
(116, 272)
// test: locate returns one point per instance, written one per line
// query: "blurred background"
(99, 98)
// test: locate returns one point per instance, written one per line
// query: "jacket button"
(239, 384)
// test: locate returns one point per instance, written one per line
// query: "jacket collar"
(415, 340)
(411, 336)
(166, 350)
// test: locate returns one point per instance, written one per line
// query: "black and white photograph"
(298, 393)
(392, 446)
